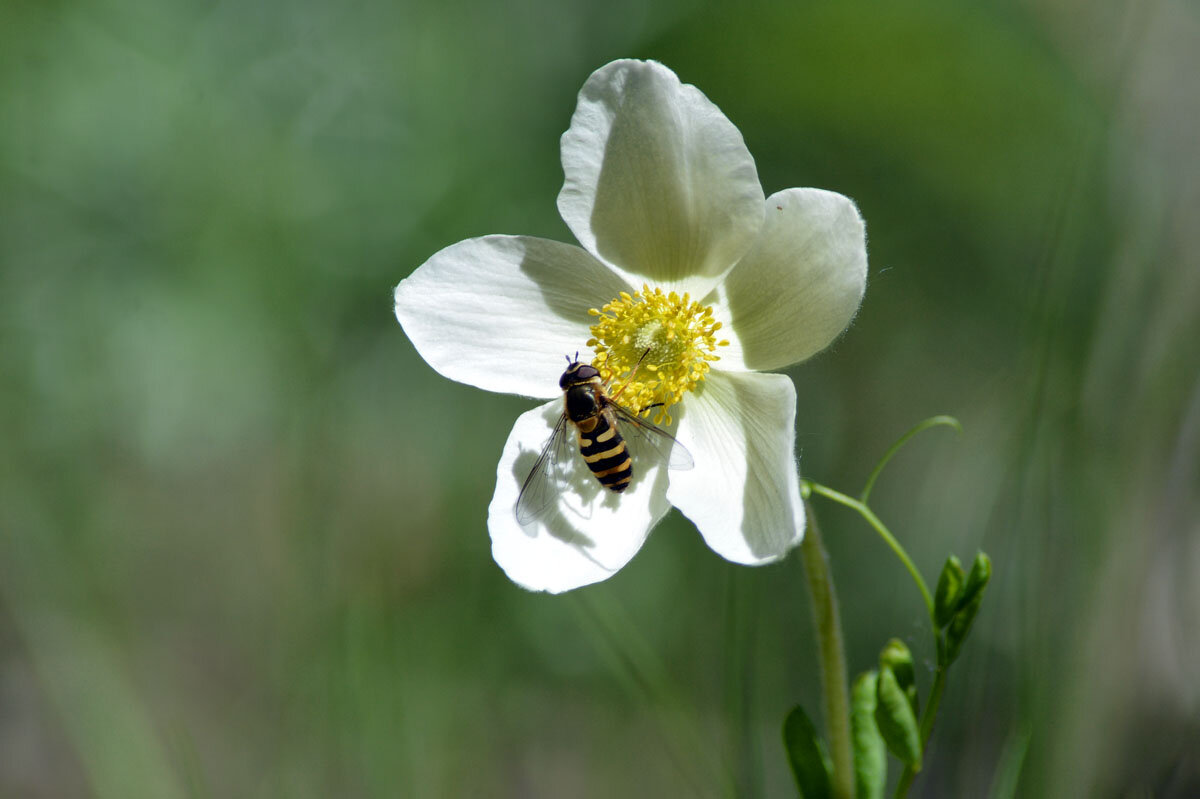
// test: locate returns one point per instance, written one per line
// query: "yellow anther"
(656, 345)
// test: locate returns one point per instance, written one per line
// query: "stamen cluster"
(652, 348)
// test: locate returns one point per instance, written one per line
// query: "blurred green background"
(242, 525)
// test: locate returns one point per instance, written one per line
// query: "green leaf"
(806, 755)
(897, 657)
(949, 591)
(896, 720)
(870, 752)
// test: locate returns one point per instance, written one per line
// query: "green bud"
(897, 657)
(960, 625)
(870, 752)
(968, 606)
(806, 755)
(977, 580)
(949, 591)
(896, 721)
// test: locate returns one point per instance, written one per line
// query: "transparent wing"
(657, 440)
(542, 485)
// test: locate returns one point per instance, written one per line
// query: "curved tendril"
(932, 421)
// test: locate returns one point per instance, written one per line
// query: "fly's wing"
(541, 486)
(657, 440)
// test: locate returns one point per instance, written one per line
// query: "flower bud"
(977, 580)
(949, 591)
(960, 625)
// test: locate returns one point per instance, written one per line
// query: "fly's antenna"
(632, 372)
(568, 357)
(639, 363)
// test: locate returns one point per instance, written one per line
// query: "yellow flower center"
(652, 348)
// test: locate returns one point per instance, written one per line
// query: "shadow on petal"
(769, 504)
(573, 497)
(571, 281)
(675, 200)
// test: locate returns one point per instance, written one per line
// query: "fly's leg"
(648, 407)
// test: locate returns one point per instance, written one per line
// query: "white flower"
(664, 198)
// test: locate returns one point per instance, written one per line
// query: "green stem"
(884, 533)
(831, 650)
(931, 708)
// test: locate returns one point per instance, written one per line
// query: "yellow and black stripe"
(605, 453)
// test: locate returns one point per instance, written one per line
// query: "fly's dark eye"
(577, 373)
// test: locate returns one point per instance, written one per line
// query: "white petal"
(800, 285)
(500, 312)
(744, 493)
(658, 182)
(588, 533)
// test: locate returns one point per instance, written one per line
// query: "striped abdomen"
(604, 451)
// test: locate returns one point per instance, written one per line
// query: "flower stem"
(831, 651)
(884, 533)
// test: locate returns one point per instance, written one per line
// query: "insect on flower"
(683, 264)
(595, 415)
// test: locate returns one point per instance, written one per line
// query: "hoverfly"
(595, 415)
